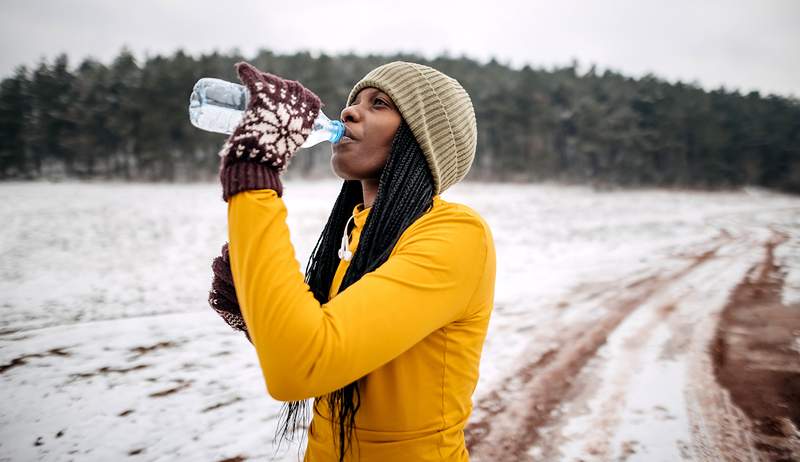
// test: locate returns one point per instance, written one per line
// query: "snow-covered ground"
(108, 348)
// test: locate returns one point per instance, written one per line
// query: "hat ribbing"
(437, 109)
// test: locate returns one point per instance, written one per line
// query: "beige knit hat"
(437, 109)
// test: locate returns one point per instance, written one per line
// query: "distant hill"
(129, 120)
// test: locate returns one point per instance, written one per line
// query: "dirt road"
(701, 362)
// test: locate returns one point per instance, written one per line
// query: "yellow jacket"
(412, 330)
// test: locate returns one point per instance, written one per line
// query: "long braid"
(321, 263)
(405, 192)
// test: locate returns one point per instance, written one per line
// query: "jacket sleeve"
(306, 349)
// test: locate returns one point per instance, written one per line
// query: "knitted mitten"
(222, 296)
(277, 120)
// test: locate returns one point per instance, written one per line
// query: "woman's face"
(371, 123)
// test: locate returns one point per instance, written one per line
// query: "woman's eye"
(378, 100)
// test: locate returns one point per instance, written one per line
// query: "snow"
(118, 354)
(635, 407)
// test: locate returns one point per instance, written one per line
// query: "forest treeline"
(129, 120)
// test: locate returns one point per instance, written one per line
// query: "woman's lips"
(346, 139)
(348, 134)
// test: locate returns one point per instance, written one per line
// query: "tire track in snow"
(745, 393)
(627, 403)
(512, 414)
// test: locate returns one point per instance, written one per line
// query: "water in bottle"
(218, 106)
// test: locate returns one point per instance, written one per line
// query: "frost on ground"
(633, 325)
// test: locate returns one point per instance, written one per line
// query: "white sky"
(744, 44)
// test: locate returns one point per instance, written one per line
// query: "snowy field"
(604, 307)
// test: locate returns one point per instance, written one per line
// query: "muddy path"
(755, 359)
(668, 365)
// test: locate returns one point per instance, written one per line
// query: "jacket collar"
(360, 214)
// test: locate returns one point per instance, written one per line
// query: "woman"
(386, 330)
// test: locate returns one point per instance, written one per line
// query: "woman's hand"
(277, 121)
(222, 297)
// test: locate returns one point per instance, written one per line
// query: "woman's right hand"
(277, 121)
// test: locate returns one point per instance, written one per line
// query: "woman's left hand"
(222, 297)
(278, 119)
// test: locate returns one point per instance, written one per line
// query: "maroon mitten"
(222, 296)
(277, 120)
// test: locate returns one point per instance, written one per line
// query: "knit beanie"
(437, 109)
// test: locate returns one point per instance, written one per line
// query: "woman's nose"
(350, 114)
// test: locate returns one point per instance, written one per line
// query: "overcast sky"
(741, 44)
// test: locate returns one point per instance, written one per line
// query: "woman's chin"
(338, 168)
(341, 148)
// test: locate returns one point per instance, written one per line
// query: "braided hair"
(405, 192)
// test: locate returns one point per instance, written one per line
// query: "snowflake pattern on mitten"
(278, 119)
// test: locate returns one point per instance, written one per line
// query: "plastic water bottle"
(218, 106)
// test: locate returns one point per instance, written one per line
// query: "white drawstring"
(344, 250)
